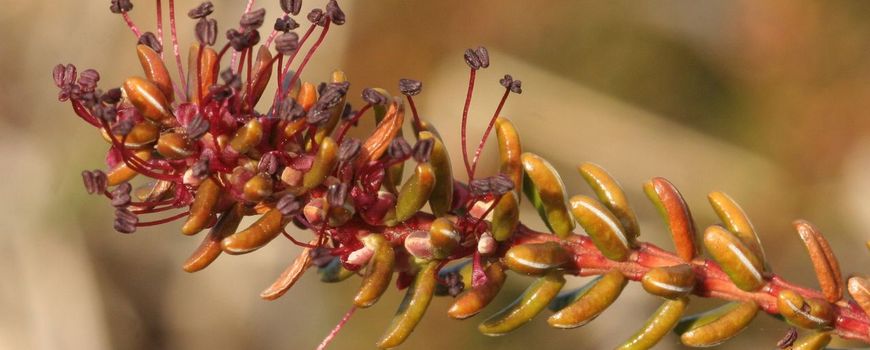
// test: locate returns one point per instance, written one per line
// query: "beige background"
(764, 100)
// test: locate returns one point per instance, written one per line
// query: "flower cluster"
(213, 153)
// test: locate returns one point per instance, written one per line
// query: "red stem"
(488, 130)
(464, 131)
(130, 24)
(175, 50)
(337, 328)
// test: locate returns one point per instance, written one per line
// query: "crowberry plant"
(213, 153)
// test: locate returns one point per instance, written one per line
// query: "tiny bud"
(285, 24)
(204, 9)
(399, 148)
(206, 31)
(313, 212)
(348, 150)
(268, 164)
(336, 194)
(288, 205)
(486, 245)
(121, 195)
(335, 13)
(291, 6)
(150, 40)
(253, 20)
(410, 87)
(121, 6)
(423, 150)
(88, 80)
(374, 97)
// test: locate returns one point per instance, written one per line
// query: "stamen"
(296, 242)
(464, 130)
(126, 16)
(160, 25)
(174, 37)
(310, 53)
(480, 145)
(337, 328)
(163, 221)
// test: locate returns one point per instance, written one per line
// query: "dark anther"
(204, 9)
(206, 31)
(410, 87)
(317, 116)
(253, 20)
(57, 75)
(88, 80)
(123, 127)
(285, 24)
(423, 150)
(268, 164)
(331, 95)
(788, 340)
(321, 257)
(150, 40)
(501, 184)
(121, 6)
(287, 43)
(288, 205)
(113, 96)
(336, 194)
(95, 181)
(479, 187)
(335, 13)
(515, 86)
(288, 109)
(197, 127)
(125, 221)
(64, 75)
(291, 6)
(374, 97)
(477, 58)
(317, 17)
(243, 40)
(121, 195)
(200, 169)
(399, 148)
(454, 284)
(348, 150)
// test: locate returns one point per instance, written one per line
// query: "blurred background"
(765, 100)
